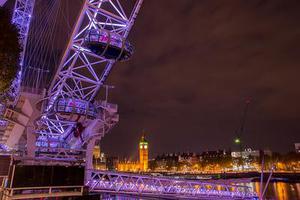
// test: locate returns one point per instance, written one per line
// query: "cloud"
(195, 62)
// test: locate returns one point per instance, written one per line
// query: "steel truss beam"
(82, 73)
(111, 182)
(21, 18)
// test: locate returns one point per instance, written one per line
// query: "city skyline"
(187, 82)
(149, 99)
(124, 157)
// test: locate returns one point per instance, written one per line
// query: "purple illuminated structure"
(97, 42)
(70, 119)
(21, 18)
(123, 183)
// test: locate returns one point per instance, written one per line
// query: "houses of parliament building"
(142, 164)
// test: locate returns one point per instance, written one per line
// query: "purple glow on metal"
(3, 123)
(3, 147)
(70, 81)
(105, 181)
(21, 18)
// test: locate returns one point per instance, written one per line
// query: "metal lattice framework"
(21, 18)
(78, 79)
(82, 73)
(104, 181)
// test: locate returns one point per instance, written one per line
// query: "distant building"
(191, 158)
(166, 162)
(142, 164)
(143, 152)
(112, 163)
(96, 152)
(249, 152)
(99, 159)
(129, 166)
(297, 147)
(248, 159)
(214, 156)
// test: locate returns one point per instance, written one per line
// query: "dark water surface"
(275, 191)
(279, 190)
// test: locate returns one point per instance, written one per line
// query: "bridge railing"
(42, 192)
(105, 181)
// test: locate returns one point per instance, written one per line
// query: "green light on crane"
(237, 141)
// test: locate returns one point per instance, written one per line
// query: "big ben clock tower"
(143, 151)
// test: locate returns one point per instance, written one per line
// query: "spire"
(143, 138)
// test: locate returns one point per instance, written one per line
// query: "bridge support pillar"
(31, 136)
(21, 120)
(89, 159)
(31, 139)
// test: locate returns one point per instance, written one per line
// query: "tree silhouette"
(9, 51)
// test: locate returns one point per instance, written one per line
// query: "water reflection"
(276, 190)
(121, 197)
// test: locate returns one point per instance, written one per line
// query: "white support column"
(89, 159)
(32, 101)
(31, 138)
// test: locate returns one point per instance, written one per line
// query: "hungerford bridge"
(56, 128)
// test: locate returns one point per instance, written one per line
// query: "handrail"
(4, 179)
(45, 187)
(142, 184)
(134, 175)
(45, 191)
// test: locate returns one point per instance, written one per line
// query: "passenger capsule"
(109, 45)
(75, 109)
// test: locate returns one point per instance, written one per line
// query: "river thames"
(279, 190)
(275, 191)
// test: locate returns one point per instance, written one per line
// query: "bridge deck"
(135, 184)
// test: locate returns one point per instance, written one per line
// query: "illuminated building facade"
(129, 166)
(143, 152)
(112, 163)
(142, 164)
(99, 160)
(96, 152)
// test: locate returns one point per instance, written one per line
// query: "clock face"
(143, 146)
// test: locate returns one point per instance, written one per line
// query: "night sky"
(195, 63)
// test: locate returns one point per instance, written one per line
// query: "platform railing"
(112, 182)
(3, 180)
(42, 192)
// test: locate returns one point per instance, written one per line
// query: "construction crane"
(238, 139)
